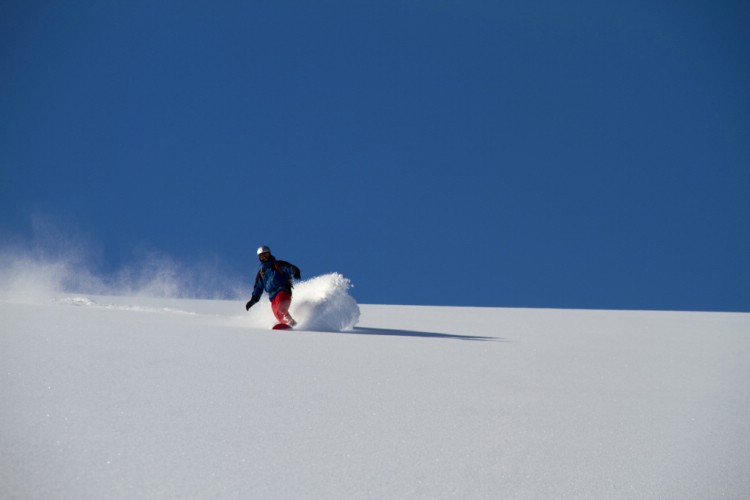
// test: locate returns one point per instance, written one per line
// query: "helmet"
(263, 249)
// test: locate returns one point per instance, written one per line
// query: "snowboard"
(281, 326)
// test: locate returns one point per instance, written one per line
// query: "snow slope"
(123, 397)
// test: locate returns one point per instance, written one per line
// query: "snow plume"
(33, 273)
(321, 303)
(51, 263)
(159, 275)
(26, 278)
(30, 277)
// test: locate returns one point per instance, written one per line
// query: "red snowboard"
(282, 326)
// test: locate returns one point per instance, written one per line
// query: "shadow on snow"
(412, 333)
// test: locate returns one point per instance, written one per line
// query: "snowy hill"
(123, 397)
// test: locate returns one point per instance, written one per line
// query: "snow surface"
(125, 397)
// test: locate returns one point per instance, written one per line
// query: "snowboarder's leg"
(280, 306)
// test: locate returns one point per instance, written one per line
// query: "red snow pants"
(280, 307)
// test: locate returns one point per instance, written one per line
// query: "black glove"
(250, 303)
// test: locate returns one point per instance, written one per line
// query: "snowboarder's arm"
(257, 288)
(291, 269)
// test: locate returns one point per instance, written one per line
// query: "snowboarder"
(275, 277)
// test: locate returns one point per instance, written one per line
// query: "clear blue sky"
(578, 154)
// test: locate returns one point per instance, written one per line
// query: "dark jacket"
(273, 277)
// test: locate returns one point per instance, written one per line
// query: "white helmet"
(263, 249)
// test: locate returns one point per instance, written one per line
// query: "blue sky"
(578, 154)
